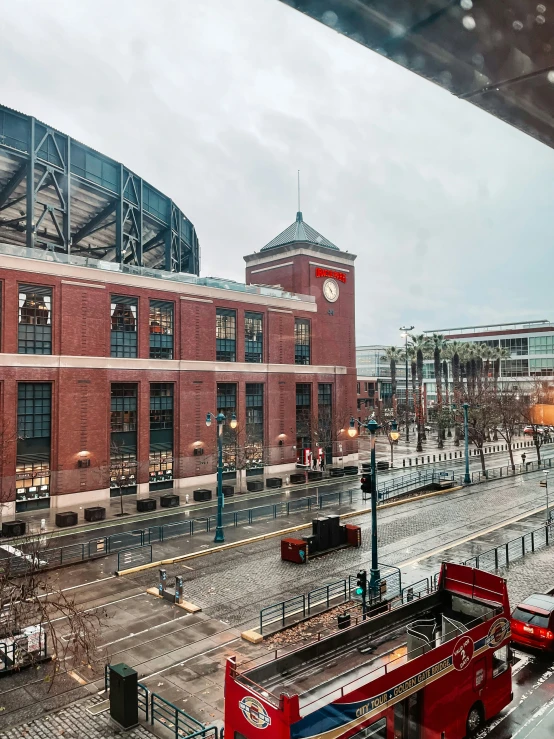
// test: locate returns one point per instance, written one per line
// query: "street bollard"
(163, 580)
(178, 589)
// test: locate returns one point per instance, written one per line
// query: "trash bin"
(124, 695)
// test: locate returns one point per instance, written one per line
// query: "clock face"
(331, 290)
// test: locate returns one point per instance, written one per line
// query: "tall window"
(124, 326)
(161, 330)
(225, 335)
(253, 337)
(514, 368)
(254, 424)
(325, 418)
(161, 434)
(541, 345)
(35, 320)
(543, 366)
(301, 341)
(32, 474)
(516, 346)
(123, 439)
(227, 404)
(303, 417)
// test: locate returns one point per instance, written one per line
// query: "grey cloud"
(219, 103)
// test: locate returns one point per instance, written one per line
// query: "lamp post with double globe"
(220, 420)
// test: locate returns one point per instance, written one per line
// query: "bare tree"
(8, 442)
(38, 618)
(119, 470)
(509, 412)
(482, 415)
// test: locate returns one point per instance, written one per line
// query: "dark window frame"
(253, 337)
(302, 341)
(161, 323)
(35, 305)
(225, 335)
(124, 326)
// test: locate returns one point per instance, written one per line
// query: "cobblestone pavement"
(234, 585)
(531, 574)
(74, 722)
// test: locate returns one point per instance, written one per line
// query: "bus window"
(376, 730)
(500, 661)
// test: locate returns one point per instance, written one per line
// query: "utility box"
(353, 535)
(124, 695)
(96, 513)
(294, 550)
(146, 504)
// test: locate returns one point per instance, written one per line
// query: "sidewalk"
(74, 722)
(405, 454)
(44, 521)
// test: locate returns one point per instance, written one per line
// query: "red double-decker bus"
(435, 668)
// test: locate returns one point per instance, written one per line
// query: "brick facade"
(81, 369)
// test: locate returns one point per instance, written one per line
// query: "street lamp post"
(393, 438)
(405, 329)
(372, 427)
(547, 506)
(220, 420)
(467, 477)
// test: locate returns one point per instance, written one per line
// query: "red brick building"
(107, 372)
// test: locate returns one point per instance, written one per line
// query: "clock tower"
(301, 260)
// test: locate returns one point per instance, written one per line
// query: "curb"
(274, 534)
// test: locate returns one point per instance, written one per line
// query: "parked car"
(530, 430)
(532, 622)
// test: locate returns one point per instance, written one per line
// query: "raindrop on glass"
(550, 77)
(517, 25)
(330, 18)
(468, 22)
(541, 8)
(478, 60)
(466, 4)
(540, 19)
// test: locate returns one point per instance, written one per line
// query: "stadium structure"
(58, 195)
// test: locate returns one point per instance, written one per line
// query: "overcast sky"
(218, 103)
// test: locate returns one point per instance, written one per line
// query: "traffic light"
(361, 583)
(366, 484)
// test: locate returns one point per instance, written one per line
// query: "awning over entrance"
(497, 54)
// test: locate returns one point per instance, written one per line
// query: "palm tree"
(457, 349)
(420, 344)
(394, 355)
(447, 355)
(499, 353)
(437, 344)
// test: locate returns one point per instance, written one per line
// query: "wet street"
(181, 656)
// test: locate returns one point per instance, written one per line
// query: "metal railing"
(138, 555)
(395, 487)
(507, 471)
(174, 719)
(321, 599)
(23, 650)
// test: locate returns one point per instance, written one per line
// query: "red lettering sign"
(319, 272)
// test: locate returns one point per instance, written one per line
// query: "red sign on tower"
(319, 272)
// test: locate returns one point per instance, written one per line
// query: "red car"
(532, 622)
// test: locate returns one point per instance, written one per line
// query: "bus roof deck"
(326, 670)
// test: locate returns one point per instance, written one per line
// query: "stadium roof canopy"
(59, 195)
(498, 54)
